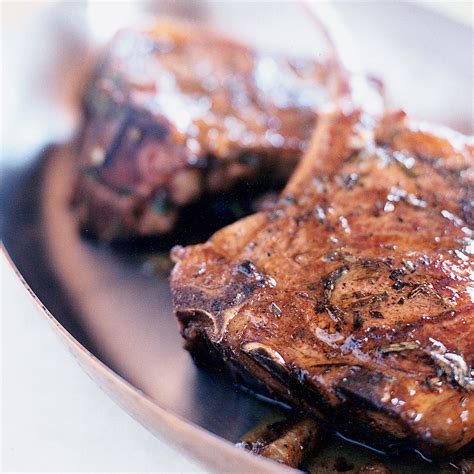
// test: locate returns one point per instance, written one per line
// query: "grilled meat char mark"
(358, 306)
(175, 112)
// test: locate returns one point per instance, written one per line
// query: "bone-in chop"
(176, 112)
(352, 299)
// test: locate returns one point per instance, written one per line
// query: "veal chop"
(352, 299)
(174, 112)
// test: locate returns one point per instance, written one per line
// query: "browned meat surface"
(352, 299)
(375, 469)
(175, 112)
(286, 441)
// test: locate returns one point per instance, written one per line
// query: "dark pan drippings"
(334, 452)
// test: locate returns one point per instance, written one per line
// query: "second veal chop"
(174, 112)
(352, 299)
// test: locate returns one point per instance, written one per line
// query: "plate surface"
(115, 316)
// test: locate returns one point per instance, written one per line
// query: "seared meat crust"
(286, 441)
(353, 298)
(175, 112)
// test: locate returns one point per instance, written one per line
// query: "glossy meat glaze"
(352, 299)
(174, 112)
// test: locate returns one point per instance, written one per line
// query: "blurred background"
(47, 48)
